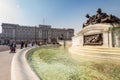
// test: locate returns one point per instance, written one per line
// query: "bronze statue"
(87, 23)
(101, 17)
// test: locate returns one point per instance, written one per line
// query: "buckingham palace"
(18, 33)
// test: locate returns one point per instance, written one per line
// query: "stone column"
(40, 34)
(49, 35)
(105, 39)
(110, 40)
(13, 33)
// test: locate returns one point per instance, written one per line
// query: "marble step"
(92, 57)
(95, 54)
(99, 49)
(96, 47)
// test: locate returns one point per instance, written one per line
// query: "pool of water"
(55, 63)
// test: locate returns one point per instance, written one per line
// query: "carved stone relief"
(95, 39)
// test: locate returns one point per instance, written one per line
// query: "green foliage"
(56, 64)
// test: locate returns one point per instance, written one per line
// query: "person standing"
(22, 44)
(11, 45)
(26, 44)
(14, 47)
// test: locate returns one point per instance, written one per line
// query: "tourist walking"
(26, 44)
(13, 47)
(32, 43)
(22, 44)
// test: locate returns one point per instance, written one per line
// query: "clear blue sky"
(58, 13)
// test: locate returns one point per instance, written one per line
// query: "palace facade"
(18, 33)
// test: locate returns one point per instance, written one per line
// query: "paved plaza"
(3, 48)
(5, 63)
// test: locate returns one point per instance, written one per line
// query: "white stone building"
(34, 33)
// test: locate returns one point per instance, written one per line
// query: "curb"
(20, 69)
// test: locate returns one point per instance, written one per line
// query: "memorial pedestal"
(104, 35)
